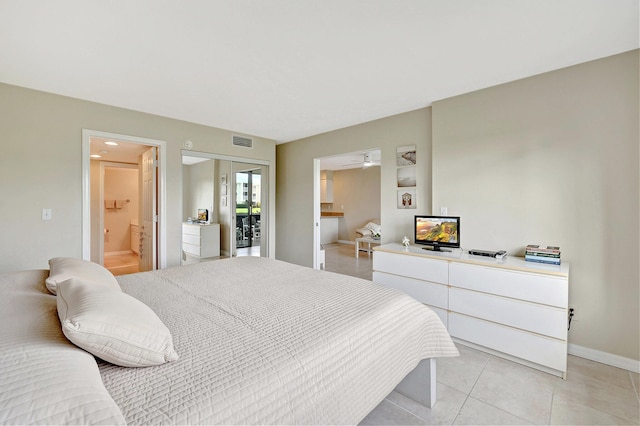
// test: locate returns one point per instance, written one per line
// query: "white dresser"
(201, 241)
(511, 308)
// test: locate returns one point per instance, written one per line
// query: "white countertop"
(458, 255)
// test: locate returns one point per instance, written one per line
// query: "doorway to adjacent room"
(347, 194)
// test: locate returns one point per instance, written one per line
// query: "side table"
(367, 240)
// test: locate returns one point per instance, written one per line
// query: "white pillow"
(63, 268)
(45, 379)
(113, 325)
(373, 227)
(365, 232)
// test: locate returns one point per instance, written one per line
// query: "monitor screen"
(437, 231)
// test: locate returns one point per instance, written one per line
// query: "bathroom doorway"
(123, 205)
(121, 244)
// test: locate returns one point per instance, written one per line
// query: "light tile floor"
(120, 264)
(248, 251)
(481, 389)
(341, 258)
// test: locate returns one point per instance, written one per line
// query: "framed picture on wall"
(406, 155)
(406, 177)
(407, 198)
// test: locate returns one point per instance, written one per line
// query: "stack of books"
(549, 254)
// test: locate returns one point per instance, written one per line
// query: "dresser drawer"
(189, 229)
(191, 249)
(537, 288)
(421, 268)
(191, 239)
(542, 319)
(541, 350)
(426, 292)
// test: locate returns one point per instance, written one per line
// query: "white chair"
(367, 230)
(366, 235)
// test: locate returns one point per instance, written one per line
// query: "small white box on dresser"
(508, 307)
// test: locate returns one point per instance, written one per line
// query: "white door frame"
(87, 134)
(318, 253)
(148, 212)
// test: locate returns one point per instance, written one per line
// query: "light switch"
(46, 214)
(443, 211)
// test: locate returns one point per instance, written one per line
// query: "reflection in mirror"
(201, 226)
(248, 208)
(234, 195)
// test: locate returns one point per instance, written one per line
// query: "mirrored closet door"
(224, 207)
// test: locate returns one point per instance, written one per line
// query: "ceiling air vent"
(242, 141)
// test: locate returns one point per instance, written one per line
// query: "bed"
(258, 341)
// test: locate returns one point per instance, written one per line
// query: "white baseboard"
(605, 358)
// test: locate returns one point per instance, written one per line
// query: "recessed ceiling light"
(95, 156)
(112, 143)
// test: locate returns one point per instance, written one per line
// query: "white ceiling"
(287, 69)
(353, 160)
(124, 152)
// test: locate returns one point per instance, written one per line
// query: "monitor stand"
(436, 248)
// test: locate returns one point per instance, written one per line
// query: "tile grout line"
(605, 382)
(491, 405)
(635, 387)
(470, 390)
(553, 397)
(408, 411)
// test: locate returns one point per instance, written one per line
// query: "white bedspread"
(267, 342)
(44, 378)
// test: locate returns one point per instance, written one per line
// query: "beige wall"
(294, 224)
(356, 192)
(553, 159)
(120, 184)
(41, 167)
